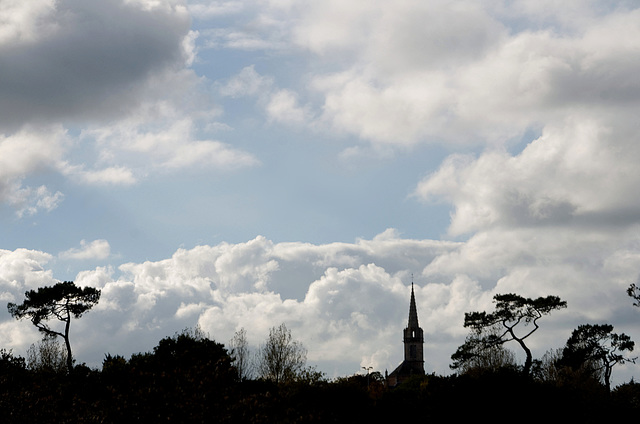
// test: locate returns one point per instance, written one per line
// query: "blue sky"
(238, 164)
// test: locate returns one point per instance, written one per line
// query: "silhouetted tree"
(61, 301)
(11, 367)
(634, 292)
(627, 399)
(47, 355)
(281, 358)
(187, 378)
(546, 369)
(482, 350)
(241, 355)
(511, 310)
(310, 375)
(550, 369)
(596, 348)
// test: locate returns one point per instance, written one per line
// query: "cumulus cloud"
(21, 270)
(284, 107)
(554, 180)
(169, 146)
(347, 308)
(32, 150)
(349, 301)
(125, 88)
(67, 59)
(462, 72)
(97, 249)
(29, 150)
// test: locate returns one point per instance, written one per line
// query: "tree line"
(590, 353)
(191, 378)
(280, 358)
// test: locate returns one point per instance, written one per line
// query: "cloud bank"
(347, 302)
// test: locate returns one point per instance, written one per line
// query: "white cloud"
(398, 40)
(463, 72)
(29, 201)
(22, 270)
(247, 82)
(280, 105)
(348, 302)
(167, 146)
(139, 72)
(283, 107)
(29, 150)
(32, 150)
(347, 309)
(97, 249)
(114, 175)
(555, 180)
(208, 152)
(25, 21)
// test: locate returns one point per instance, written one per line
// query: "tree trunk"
(529, 361)
(607, 377)
(68, 343)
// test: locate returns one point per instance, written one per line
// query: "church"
(413, 339)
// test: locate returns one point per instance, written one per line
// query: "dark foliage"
(189, 378)
(58, 301)
(61, 301)
(512, 313)
(595, 349)
(634, 292)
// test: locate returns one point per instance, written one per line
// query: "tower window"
(412, 352)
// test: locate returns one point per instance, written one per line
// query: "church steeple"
(413, 311)
(413, 363)
(413, 337)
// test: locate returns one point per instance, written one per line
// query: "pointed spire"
(413, 311)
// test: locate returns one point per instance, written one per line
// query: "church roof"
(404, 369)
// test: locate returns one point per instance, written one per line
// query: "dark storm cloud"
(87, 59)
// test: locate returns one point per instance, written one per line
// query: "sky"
(240, 164)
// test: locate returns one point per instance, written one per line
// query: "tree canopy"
(482, 350)
(190, 378)
(60, 301)
(598, 348)
(511, 310)
(239, 351)
(281, 358)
